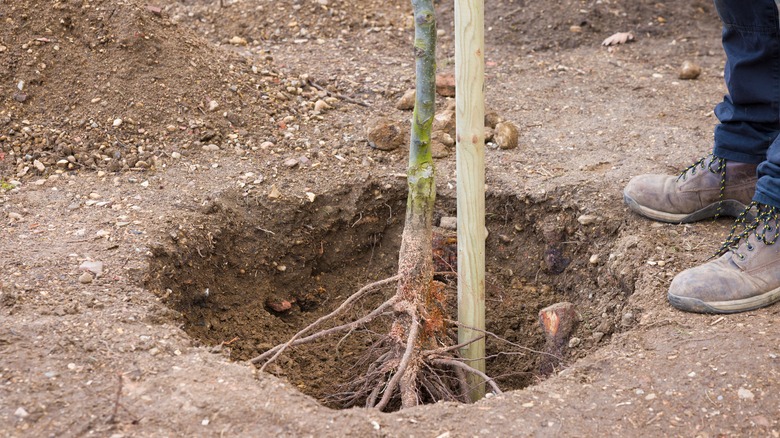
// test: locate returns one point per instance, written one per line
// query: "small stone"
(20, 97)
(213, 105)
(14, 216)
(575, 342)
(449, 222)
(311, 196)
(154, 10)
(21, 412)
(238, 41)
(745, 394)
(210, 147)
(39, 166)
(588, 219)
(274, 193)
(594, 259)
(175, 155)
(506, 135)
(650, 397)
(406, 102)
(266, 145)
(278, 305)
(290, 162)
(386, 135)
(689, 70)
(439, 150)
(92, 266)
(445, 122)
(94, 196)
(62, 164)
(170, 128)
(575, 29)
(141, 164)
(627, 319)
(117, 123)
(445, 85)
(85, 278)
(597, 337)
(492, 119)
(321, 106)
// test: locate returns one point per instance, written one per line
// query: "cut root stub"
(558, 323)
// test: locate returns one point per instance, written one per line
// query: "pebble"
(291, 162)
(274, 193)
(39, 166)
(445, 85)
(386, 135)
(117, 123)
(85, 278)
(689, 70)
(406, 102)
(594, 259)
(238, 41)
(587, 219)
(506, 135)
(745, 394)
(627, 319)
(210, 147)
(21, 412)
(266, 145)
(91, 266)
(449, 223)
(321, 106)
(213, 105)
(175, 155)
(171, 128)
(14, 216)
(574, 342)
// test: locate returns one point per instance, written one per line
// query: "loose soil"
(177, 143)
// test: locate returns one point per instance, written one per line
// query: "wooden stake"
(470, 163)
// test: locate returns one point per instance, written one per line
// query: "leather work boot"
(711, 187)
(745, 277)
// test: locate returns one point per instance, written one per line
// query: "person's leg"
(750, 114)
(724, 183)
(747, 274)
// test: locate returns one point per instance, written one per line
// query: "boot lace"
(715, 165)
(764, 226)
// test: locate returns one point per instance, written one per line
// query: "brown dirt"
(142, 351)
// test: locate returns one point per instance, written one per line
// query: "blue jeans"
(750, 114)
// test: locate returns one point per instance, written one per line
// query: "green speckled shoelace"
(768, 216)
(720, 168)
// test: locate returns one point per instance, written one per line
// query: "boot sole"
(734, 306)
(728, 207)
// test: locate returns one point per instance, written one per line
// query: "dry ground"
(152, 139)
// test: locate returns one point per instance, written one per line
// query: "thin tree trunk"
(415, 262)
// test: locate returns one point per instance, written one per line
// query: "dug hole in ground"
(185, 185)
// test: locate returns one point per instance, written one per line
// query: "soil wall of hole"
(244, 274)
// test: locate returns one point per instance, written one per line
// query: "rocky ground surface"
(138, 140)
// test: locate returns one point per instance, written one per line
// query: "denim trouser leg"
(750, 113)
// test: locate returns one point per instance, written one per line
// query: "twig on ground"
(112, 418)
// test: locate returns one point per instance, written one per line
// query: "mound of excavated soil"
(115, 85)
